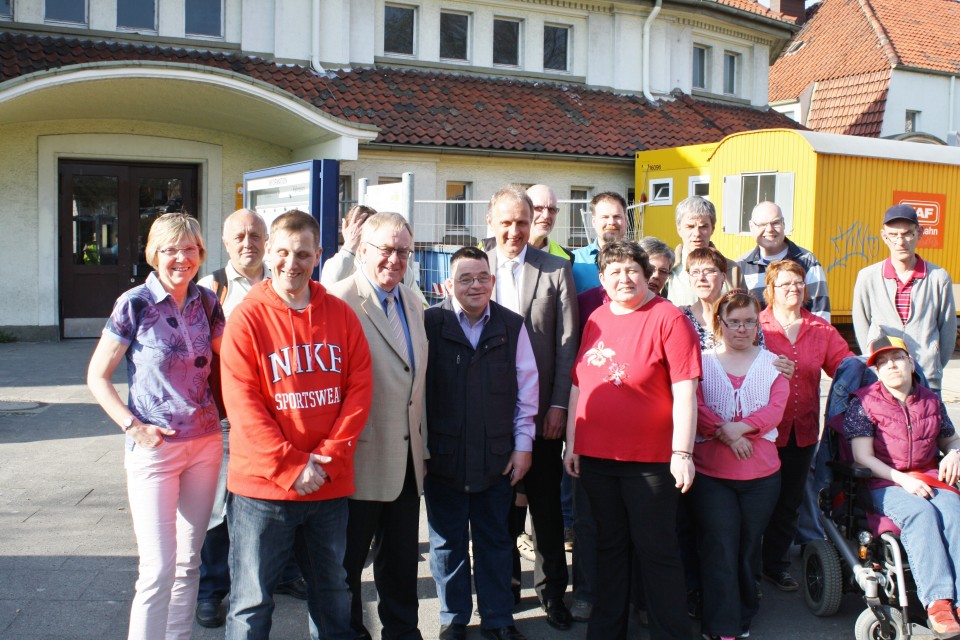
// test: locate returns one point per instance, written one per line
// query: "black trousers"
(542, 486)
(635, 505)
(794, 467)
(394, 529)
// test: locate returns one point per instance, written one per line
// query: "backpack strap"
(220, 284)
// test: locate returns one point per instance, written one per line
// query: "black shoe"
(558, 616)
(453, 631)
(694, 604)
(208, 614)
(503, 633)
(296, 589)
(783, 581)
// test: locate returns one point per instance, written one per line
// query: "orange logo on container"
(931, 211)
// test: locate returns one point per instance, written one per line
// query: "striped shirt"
(904, 289)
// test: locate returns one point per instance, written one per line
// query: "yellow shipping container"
(833, 190)
(664, 177)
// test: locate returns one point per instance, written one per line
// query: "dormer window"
(74, 11)
(6, 9)
(454, 36)
(399, 24)
(556, 48)
(140, 15)
(506, 42)
(701, 62)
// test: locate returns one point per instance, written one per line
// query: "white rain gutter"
(315, 44)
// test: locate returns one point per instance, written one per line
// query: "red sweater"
(294, 383)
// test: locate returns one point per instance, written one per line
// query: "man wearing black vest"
(482, 399)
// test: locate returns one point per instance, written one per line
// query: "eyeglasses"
(736, 325)
(773, 224)
(550, 210)
(706, 273)
(789, 286)
(900, 237)
(188, 252)
(466, 281)
(900, 357)
(386, 252)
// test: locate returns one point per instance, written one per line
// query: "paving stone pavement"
(67, 552)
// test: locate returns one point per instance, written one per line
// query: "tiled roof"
(442, 109)
(924, 33)
(755, 7)
(852, 105)
(837, 40)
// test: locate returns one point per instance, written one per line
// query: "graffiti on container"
(856, 241)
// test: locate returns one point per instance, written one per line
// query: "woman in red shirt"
(740, 403)
(629, 440)
(814, 345)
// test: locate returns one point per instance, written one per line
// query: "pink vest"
(905, 445)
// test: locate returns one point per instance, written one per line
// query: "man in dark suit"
(385, 509)
(540, 288)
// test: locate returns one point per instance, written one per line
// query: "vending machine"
(312, 186)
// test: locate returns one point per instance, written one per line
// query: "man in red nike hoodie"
(297, 386)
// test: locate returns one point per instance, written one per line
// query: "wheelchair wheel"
(868, 628)
(822, 578)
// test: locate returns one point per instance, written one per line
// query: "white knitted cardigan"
(753, 394)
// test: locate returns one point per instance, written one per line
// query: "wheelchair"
(862, 552)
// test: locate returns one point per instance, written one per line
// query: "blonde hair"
(169, 229)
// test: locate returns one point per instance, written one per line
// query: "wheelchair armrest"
(850, 469)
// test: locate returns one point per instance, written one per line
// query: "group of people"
(678, 389)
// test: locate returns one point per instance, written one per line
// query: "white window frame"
(569, 61)
(706, 67)
(661, 192)
(736, 221)
(86, 16)
(156, 20)
(693, 181)
(519, 23)
(468, 55)
(206, 36)
(911, 121)
(731, 86)
(416, 23)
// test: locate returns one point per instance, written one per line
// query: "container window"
(661, 192)
(399, 27)
(741, 193)
(454, 35)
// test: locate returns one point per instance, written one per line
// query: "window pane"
(453, 36)
(768, 188)
(137, 14)
(699, 68)
(506, 42)
(204, 17)
(456, 214)
(748, 200)
(398, 30)
(95, 212)
(66, 10)
(555, 43)
(729, 73)
(6, 8)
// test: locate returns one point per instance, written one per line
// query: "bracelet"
(684, 455)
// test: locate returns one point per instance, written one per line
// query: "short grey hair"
(698, 207)
(389, 219)
(514, 193)
(654, 246)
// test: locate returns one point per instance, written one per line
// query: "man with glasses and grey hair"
(385, 508)
(907, 297)
(696, 220)
(769, 228)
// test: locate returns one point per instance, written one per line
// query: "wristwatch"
(128, 423)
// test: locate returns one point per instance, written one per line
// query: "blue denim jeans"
(263, 533)
(731, 517)
(454, 517)
(930, 532)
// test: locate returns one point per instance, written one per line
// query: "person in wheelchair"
(896, 429)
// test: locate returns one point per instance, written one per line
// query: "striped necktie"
(394, 318)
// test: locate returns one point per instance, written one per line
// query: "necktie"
(508, 294)
(394, 318)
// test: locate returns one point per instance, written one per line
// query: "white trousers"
(171, 489)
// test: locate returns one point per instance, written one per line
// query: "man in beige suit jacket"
(390, 451)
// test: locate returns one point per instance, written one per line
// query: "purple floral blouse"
(169, 354)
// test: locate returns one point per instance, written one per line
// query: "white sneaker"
(525, 547)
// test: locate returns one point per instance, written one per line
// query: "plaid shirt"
(754, 269)
(904, 289)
